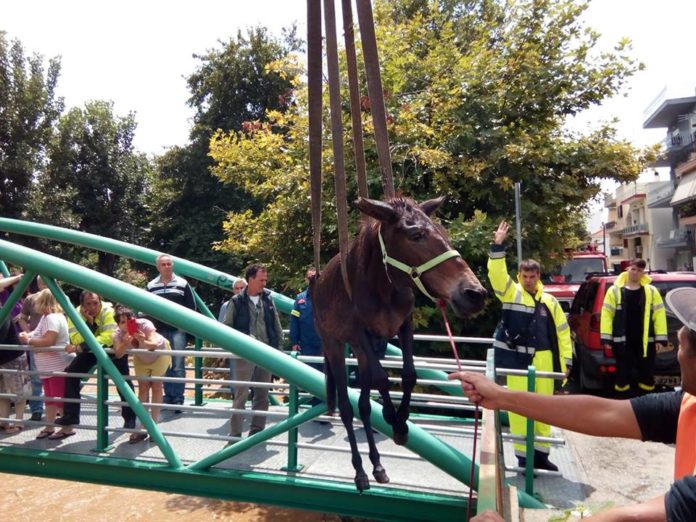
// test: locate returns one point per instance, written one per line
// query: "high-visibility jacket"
(613, 322)
(104, 326)
(519, 309)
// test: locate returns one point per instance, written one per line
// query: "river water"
(32, 498)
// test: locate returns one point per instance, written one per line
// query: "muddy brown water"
(32, 498)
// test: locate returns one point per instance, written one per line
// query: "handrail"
(420, 442)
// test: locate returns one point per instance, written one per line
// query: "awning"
(686, 189)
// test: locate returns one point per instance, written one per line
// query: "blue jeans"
(35, 406)
(174, 391)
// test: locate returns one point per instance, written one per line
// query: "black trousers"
(83, 363)
(633, 370)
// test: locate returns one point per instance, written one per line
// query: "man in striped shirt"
(176, 289)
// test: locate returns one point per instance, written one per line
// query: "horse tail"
(330, 387)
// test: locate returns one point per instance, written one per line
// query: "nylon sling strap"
(414, 271)
(314, 66)
(337, 138)
(354, 91)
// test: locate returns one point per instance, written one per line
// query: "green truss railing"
(420, 442)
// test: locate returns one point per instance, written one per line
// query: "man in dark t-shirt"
(669, 418)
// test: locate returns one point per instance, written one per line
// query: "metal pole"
(518, 221)
(292, 432)
(529, 468)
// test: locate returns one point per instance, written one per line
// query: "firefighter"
(533, 330)
(634, 326)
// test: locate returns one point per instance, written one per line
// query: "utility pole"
(518, 221)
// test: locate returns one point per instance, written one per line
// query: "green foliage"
(94, 180)
(29, 108)
(233, 84)
(477, 95)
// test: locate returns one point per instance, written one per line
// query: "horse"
(399, 249)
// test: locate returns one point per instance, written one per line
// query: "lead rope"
(443, 306)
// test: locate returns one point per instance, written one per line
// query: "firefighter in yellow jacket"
(99, 318)
(533, 330)
(634, 324)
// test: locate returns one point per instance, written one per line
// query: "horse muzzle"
(467, 301)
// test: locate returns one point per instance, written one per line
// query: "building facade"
(678, 116)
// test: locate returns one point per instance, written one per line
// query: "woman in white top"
(52, 330)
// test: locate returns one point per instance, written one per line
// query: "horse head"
(416, 249)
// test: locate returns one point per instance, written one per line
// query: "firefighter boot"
(541, 461)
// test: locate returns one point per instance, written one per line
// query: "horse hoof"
(380, 475)
(362, 482)
(401, 435)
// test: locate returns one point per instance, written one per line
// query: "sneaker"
(36, 416)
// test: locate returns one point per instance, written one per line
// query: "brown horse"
(399, 250)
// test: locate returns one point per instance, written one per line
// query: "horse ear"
(377, 209)
(430, 206)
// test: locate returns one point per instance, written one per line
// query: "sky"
(138, 53)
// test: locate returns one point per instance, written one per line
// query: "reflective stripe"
(622, 388)
(658, 307)
(509, 284)
(562, 327)
(518, 308)
(296, 313)
(497, 255)
(518, 297)
(646, 387)
(521, 349)
(608, 307)
(498, 292)
(621, 339)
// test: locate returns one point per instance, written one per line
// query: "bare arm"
(121, 344)
(48, 339)
(581, 413)
(9, 281)
(150, 341)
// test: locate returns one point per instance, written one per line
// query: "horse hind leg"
(365, 409)
(336, 363)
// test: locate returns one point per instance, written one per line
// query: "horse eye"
(415, 235)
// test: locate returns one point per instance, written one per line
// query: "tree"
(95, 181)
(232, 85)
(29, 108)
(477, 95)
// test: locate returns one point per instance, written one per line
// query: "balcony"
(635, 230)
(680, 238)
(661, 198)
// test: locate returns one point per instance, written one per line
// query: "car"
(565, 281)
(594, 367)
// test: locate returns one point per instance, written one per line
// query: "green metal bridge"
(190, 455)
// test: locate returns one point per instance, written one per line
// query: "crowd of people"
(533, 330)
(39, 321)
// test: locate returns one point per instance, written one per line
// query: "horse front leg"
(334, 356)
(365, 409)
(408, 381)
